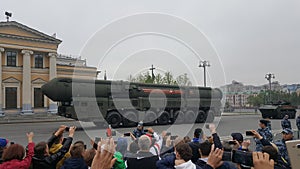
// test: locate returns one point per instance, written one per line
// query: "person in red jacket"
(13, 156)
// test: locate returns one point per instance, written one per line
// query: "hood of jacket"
(12, 164)
(187, 165)
(54, 148)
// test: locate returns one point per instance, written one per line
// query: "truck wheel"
(190, 116)
(129, 119)
(210, 116)
(163, 118)
(114, 119)
(150, 118)
(201, 116)
(179, 117)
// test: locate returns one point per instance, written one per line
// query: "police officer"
(265, 132)
(285, 123)
(287, 134)
(298, 124)
(139, 131)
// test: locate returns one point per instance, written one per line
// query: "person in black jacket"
(198, 138)
(42, 159)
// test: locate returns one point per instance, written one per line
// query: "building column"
(52, 75)
(1, 97)
(26, 84)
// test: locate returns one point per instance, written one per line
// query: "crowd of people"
(147, 149)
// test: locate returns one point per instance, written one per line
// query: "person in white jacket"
(183, 157)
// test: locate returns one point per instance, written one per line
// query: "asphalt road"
(87, 130)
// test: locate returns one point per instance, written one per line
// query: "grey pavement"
(39, 115)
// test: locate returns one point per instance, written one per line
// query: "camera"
(146, 130)
(67, 128)
(226, 156)
(239, 157)
(207, 126)
(242, 157)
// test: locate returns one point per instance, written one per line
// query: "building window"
(11, 58)
(38, 61)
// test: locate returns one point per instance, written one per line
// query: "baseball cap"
(3, 142)
(237, 136)
(140, 124)
(287, 131)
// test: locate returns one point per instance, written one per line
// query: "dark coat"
(167, 162)
(144, 159)
(74, 163)
(195, 151)
(49, 162)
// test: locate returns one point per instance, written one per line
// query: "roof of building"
(46, 37)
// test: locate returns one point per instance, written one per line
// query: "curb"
(239, 113)
(32, 119)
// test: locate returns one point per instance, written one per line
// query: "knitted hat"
(3, 142)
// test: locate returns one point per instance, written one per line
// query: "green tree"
(169, 79)
(183, 80)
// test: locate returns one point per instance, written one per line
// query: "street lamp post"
(269, 77)
(204, 64)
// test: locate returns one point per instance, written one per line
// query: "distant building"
(28, 60)
(237, 94)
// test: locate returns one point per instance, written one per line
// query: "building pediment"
(38, 81)
(11, 80)
(16, 30)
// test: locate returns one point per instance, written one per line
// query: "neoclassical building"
(28, 60)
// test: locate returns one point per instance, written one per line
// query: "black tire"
(210, 116)
(201, 116)
(150, 118)
(281, 115)
(130, 119)
(163, 118)
(114, 119)
(179, 117)
(189, 117)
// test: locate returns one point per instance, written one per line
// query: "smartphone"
(226, 156)
(168, 133)
(67, 128)
(293, 148)
(85, 147)
(242, 157)
(232, 142)
(207, 126)
(12, 142)
(97, 139)
(126, 134)
(146, 130)
(173, 137)
(249, 133)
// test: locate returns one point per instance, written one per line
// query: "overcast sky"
(250, 38)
